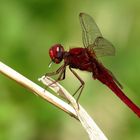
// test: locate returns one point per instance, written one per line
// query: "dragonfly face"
(56, 53)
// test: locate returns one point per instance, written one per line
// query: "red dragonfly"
(85, 59)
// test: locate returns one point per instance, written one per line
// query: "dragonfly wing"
(92, 37)
(90, 30)
(103, 47)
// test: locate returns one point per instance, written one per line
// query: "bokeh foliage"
(28, 28)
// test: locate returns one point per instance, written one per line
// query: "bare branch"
(87, 122)
(20, 79)
(76, 111)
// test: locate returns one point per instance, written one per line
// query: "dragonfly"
(86, 59)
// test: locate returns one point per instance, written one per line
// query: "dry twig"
(79, 113)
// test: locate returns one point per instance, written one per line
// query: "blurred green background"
(28, 28)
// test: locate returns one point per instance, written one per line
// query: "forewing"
(92, 37)
(90, 30)
(103, 47)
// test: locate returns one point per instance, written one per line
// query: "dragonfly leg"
(55, 72)
(81, 86)
(61, 71)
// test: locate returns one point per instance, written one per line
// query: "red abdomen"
(106, 78)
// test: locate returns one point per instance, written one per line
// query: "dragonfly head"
(56, 53)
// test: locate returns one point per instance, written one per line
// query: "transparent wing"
(92, 37)
(103, 47)
(90, 30)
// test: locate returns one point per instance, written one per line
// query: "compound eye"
(59, 52)
(56, 53)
